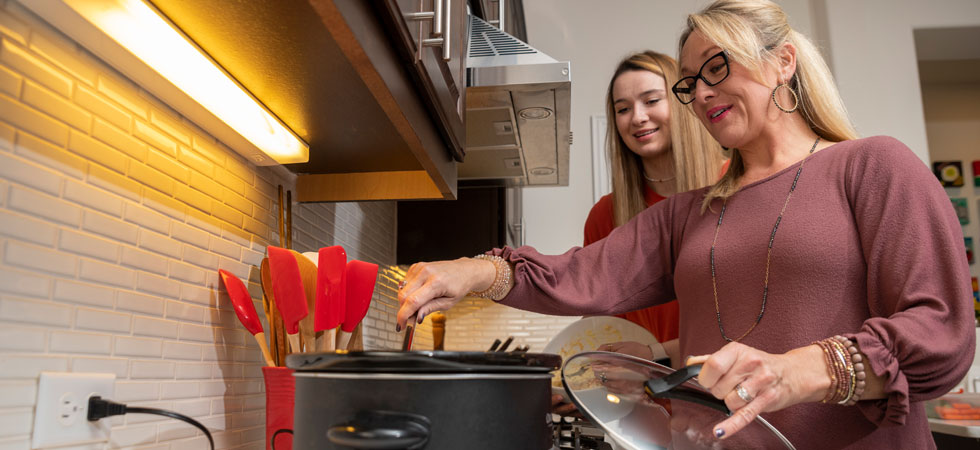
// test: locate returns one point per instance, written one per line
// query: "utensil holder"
(280, 396)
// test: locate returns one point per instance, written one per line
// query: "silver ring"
(401, 284)
(602, 377)
(742, 393)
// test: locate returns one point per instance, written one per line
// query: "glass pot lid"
(611, 390)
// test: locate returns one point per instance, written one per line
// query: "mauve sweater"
(869, 247)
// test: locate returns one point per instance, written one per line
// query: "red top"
(869, 248)
(661, 320)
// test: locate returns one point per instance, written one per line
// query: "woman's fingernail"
(398, 328)
(421, 318)
(719, 433)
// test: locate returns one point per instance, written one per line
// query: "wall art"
(950, 173)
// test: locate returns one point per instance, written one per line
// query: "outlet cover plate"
(60, 417)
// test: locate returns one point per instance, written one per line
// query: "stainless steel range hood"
(517, 112)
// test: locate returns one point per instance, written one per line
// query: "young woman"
(822, 280)
(658, 149)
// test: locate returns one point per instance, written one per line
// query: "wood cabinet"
(337, 73)
(431, 36)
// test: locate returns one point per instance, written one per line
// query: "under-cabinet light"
(141, 31)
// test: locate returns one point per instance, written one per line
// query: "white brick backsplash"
(59, 107)
(88, 245)
(147, 218)
(186, 233)
(117, 366)
(180, 390)
(124, 93)
(109, 226)
(25, 228)
(127, 346)
(50, 155)
(194, 294)
(147, 326)
(16, 169)
(31, 121)
(133, 436)
(113, 182)
(155, 138)
(119, 139)
(93, 198)
(83, 293)
(226, 248)
(187, 272)
(20, 339)
(140, 303)
(21, 283)
(99, 320)
(154, 284)
(15, 421)
(143, 260)
(135, 391)
(181, 350)
(75, 342)
(190, 332)
(199, 257)
(185, 311)
(106, 273)
(17, 393)
(159, 243)
(115, 214)
(193, 371)
(30, 256)
(14, 28)
(23, 366)
(151, 369)
(21, 60)
(90, 100)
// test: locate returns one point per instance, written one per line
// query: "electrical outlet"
(60, 417)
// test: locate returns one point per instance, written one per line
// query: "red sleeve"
(918, 288)
(600, 221)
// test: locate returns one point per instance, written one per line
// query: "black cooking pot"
(423, 400)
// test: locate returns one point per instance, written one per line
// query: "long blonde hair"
(697, 157)
(749, 30)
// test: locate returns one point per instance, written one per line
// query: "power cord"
(99, 408)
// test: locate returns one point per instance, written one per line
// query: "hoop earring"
(796, 100)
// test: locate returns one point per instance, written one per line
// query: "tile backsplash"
(115, 214)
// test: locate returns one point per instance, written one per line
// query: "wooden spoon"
(307, 271)
(277, 339)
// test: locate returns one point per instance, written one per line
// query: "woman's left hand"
(751, 381)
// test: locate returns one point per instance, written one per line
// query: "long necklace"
(772, 237)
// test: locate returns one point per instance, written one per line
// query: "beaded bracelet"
(858, 370)
(501, 281)
(840, 370)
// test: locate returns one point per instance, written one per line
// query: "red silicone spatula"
(287, 285)
(245, 310)
(361, 277)
(331, 294)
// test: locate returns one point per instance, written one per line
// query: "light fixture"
(138, 41)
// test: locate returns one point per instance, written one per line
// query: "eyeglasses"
(717, 66)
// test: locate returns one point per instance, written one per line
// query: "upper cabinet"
(372, 86)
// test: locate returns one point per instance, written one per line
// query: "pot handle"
(382, 430)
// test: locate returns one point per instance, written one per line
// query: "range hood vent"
(517, 112)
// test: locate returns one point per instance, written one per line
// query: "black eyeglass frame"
(694, 78)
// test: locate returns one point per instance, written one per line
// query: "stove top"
(572, 433)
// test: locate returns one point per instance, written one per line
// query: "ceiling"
(948, 55)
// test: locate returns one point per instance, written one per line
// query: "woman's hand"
(767, 382)
(436, 286)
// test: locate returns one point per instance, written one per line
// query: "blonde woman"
(656, 149)
(822, 281)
